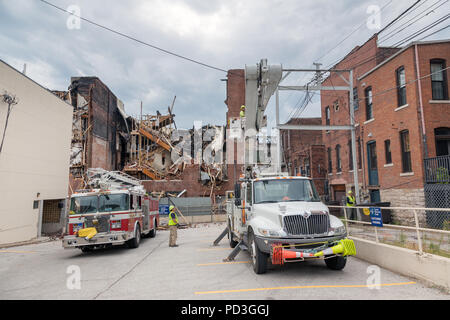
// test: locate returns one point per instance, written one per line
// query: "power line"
(393, 32)
(351, 33)
(370, 47)
(134, 39)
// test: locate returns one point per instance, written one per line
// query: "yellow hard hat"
(350, 192)
(171, 208)
(242, 107)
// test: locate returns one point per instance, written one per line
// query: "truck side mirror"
(237, 194)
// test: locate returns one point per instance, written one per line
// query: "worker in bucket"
(351, 203)
(173, 225)
(242, 113)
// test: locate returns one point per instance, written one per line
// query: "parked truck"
(272, 215)
(282, 218)
(114, 211)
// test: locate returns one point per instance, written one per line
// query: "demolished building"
(150, 147)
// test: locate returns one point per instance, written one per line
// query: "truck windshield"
(285, 190)
(82, 205)
(114, 202)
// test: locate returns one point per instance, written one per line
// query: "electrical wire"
(136, 40)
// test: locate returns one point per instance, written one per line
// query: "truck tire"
(259, 259)
(134, 243)
(152, 232)
(336, 263)
(233, 243)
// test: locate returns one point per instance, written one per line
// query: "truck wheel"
(134, 243)
(233, 243)
(259, 259)
(152, 232)
(336, 263)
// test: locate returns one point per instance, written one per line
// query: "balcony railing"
(437, 170)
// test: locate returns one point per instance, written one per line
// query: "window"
(359, 154)
(338, 159)
(406, 151)
(350, 155)
(249, 194)
(84, 204)
(401, 86)
(330, 162)
(442, 137)
(327, 116)
(387, 151)
(355, 99)
(438, 80)
(307, 167)
(113, 202)
(369, 108)
(285, 191)
(336, 105)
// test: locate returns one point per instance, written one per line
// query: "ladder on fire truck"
(101, 178)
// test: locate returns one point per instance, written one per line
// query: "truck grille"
(101, 226)
(317, 223)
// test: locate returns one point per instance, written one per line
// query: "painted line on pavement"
(15, 251)
(306, 287)
(213, 249)
(219, 263)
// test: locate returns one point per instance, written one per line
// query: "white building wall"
(34, 163)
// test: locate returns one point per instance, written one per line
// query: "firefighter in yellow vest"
(351, 203)
(173, 225)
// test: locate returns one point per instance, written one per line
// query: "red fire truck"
(116, 210)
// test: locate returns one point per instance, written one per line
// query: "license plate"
(77, 226)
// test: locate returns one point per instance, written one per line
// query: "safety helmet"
(242, 107)
(350, 192)
(171, 208)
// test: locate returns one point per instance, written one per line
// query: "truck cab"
(282, 217)
(118, 216)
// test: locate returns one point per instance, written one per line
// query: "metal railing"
(414, 212)
(437, 170)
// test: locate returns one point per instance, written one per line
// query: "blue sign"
(163, 209)
(376, 217)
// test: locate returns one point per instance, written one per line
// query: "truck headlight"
(338, 230)
(269, 232)
(117, 224)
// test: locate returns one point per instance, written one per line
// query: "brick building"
(400, 121)
(304, 152)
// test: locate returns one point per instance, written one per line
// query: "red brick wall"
(296, 143)
(436, 114)
(189, 180)
(235, 92)
(388, 122)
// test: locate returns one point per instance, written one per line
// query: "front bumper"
(114, 238)
(265, 243)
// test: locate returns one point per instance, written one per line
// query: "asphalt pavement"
(194, 270)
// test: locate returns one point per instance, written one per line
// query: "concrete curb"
(29, 242)
(427, 267)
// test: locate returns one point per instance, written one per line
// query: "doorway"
(372, 163)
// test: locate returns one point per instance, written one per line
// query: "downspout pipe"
(419, 88)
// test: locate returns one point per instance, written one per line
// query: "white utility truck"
(272, 215)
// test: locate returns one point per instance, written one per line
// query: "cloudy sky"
(226, 34)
